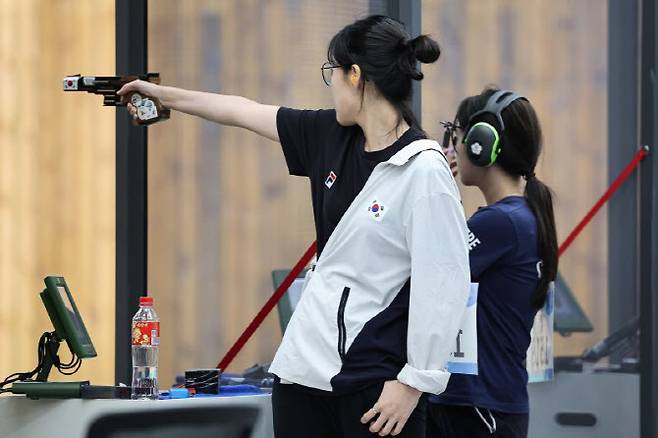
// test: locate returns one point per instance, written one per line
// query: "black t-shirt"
(333, 158)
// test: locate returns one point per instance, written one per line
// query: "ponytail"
(540, 200)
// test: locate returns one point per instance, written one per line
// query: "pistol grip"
(149, 109)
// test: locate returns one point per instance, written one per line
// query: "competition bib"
(539, 358)
(464, 355)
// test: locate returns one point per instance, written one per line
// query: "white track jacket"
(407, 221)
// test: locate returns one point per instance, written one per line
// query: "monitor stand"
(36, 390)
(41, 388)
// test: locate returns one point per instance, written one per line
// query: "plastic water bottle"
(145, 346)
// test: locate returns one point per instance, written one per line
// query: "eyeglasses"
(328, 71)
(450, 134)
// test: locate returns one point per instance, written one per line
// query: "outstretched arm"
(224, 109)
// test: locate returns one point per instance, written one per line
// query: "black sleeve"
(303, 135)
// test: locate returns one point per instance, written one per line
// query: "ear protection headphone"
(482, 140)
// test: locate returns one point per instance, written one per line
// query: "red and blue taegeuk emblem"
(376, 210)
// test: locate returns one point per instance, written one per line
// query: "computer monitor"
(69, 327)
(569, 316)
(66, 318)
(292, 296)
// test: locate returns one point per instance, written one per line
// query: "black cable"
(77, 366)
(72, 364)
(44, 346)
(41, 352)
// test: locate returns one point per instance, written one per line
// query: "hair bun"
(425, 49)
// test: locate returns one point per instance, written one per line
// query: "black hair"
(521, 144)
(381, 47)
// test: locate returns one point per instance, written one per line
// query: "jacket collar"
(412, 149)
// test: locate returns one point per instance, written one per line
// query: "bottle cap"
(145, 301)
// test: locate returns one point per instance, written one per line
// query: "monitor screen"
(75, 318)
(66, 318)
(65, 299)
(288, 302)
(295, 292)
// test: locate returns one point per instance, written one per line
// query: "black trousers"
(299, 413)
(446, 421)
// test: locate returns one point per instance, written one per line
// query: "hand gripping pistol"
(149, 109)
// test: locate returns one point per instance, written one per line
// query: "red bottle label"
(146, 333)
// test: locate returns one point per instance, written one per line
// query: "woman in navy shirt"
(513, 256)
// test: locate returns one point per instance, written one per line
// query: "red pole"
(267, 308)
(606, 196)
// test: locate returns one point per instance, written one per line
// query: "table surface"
(613, 398)
(21, 417)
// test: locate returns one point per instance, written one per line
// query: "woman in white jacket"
(364, 342)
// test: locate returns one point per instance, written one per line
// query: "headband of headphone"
(482, 141)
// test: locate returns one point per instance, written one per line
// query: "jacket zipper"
(342, 331)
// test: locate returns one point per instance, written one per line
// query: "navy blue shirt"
(504, 261)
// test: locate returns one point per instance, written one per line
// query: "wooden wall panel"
(556, 54)
(56, 176)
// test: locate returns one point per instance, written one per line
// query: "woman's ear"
(355, 75)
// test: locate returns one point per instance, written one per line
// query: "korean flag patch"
(376, 210)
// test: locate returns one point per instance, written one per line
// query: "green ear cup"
(482, 144)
